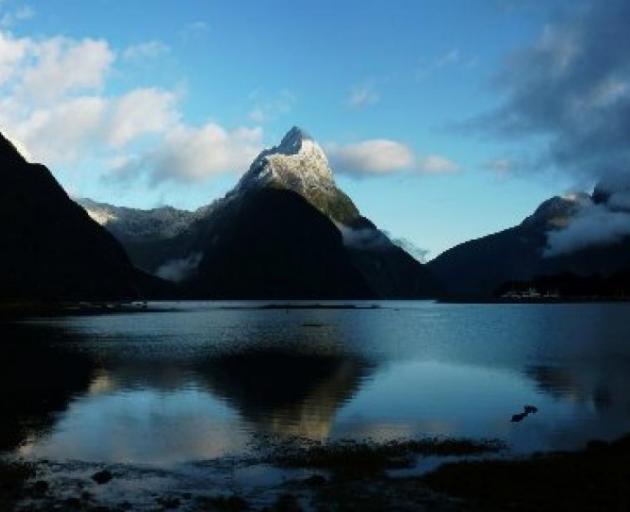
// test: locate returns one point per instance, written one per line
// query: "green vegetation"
(337, 206)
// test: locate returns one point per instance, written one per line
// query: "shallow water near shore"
(203, 380)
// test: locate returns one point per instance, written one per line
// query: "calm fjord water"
(205, 379)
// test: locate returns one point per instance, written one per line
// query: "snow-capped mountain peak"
(299, 164)
(293, 141)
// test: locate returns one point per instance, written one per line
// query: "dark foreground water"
(210, 379)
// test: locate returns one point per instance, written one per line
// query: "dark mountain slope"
(483, 267)
(151, 237)
(272, 244)
(478, 267)
(50, 249)
(389, 270)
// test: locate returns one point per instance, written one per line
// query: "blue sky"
(143, 103)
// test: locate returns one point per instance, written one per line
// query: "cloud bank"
(379, 240)
(595, 225)
(572, 86)
(180, 269)
(384, 156)
(54, 107)
(571, 89)
(188, 154)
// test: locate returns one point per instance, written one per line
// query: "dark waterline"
(203, 380)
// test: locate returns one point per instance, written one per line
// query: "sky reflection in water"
(203, 381)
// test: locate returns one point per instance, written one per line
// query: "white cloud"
(60, 65)
(383, 156)
(437, 164)
(146, 50)
(376, 156)
(180, 269)
(139, 112)
(60, 133)
(77, 127)
(363, 96)
(569, 89)
(192, 154)
(594, 225)
(52, 104)
(12, 52)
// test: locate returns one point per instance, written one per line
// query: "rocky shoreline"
(340, 476)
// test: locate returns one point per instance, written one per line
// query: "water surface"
(202, 380)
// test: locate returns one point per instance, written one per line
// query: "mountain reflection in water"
(202, 382)
(286, 393)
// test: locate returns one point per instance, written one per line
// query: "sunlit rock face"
(101, 216)
(299, 164)
(161, 222)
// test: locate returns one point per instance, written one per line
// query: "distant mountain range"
(286, 231)
(519, 258)
(155, 239)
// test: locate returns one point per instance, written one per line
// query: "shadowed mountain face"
(300, 165)
(51, 249)
(387, 268)
(152, 238)
(489, 265)
(273, 244)
(285, 231)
